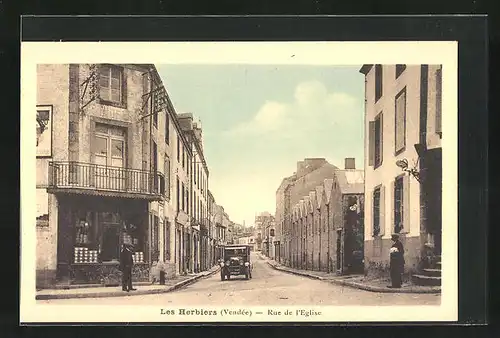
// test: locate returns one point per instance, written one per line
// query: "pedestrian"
(397, 262)
(126, 264)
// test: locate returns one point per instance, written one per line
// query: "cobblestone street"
(267, 287)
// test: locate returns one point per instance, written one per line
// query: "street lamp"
(403, 163)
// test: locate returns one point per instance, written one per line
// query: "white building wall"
(388, 171)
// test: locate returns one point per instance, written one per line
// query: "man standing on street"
(126, 264)
(397, 262)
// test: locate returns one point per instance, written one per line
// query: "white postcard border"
(289, 53)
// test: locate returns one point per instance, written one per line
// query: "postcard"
(239, 182)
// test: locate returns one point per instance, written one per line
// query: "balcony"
(92, 179)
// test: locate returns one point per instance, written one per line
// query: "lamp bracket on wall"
(403, 164)
(413, 171)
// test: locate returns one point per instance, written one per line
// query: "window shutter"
(371, 143)
(406, 203)
(382, 211)
(381, 137)
(392, 205)
(400, 120)
(438, 99)
(123, 93)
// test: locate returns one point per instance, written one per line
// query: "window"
(375, 155)
(183, 158)
(109, 145)
(178, 149)
(376, 211)
(187, 200)
(111, 83)
(378, 82)
(167, 128)
(178, 193)
(166, 170)
(439, 79)
(399, 70)
(378, 140)
(195, 201)
(400, 122)
(155, 238)
(272, 232)
(154, 157)
(166, 240)
(155, 119)
(183, 198)
(398, 204)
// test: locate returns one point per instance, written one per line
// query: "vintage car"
(235, 261)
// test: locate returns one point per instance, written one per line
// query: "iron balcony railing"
(71, 175)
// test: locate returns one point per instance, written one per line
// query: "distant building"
(248, 240)
(321, 229)
(262, 221)
(199, 190)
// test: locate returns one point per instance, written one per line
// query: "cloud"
(310, 93)
(270, 115)
(314, 108)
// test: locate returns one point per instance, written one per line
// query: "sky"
(259, 120)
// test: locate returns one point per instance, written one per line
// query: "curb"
(299, 273)
(87, 286)
(121, 294)
(383, 290)
(355, 285)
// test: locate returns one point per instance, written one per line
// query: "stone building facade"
(211, 230)
(403, 164)
(323, 233)
(113, 167)
(100, 176)
(199, 192)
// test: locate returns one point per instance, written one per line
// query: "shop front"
(91, 231)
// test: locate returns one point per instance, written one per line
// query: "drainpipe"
(423, 141)
(151, 107)
(320, 246)
(328, 234)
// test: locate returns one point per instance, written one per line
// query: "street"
(267, 287)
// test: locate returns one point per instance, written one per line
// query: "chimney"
(350, 163)
(300, 166)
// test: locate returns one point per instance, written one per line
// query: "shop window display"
(98, 237)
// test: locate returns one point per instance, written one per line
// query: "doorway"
(110, 242)
(179, 250)
(340, 250)
(433, 188)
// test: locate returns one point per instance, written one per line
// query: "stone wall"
(377, 256)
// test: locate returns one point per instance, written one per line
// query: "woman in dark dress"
(397, 262)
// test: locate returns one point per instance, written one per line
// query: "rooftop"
(351, 181)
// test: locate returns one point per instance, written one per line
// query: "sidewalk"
(116, 291)
(354, 281)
